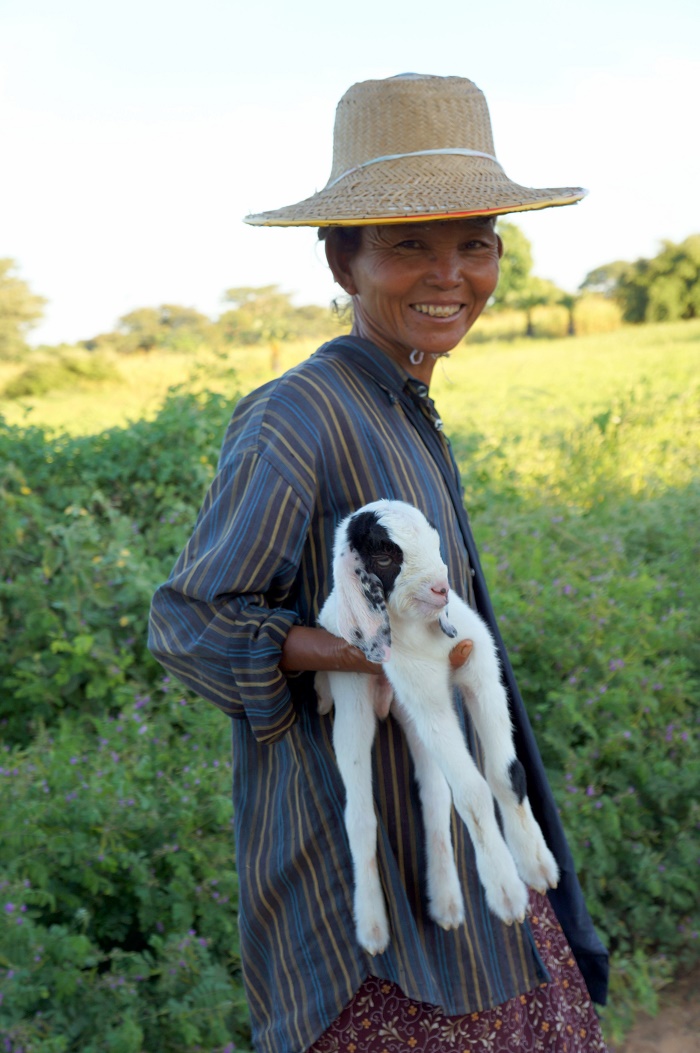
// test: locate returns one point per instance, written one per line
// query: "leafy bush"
(89, 526)
(117, 920)
(60, 373)
(594, 576)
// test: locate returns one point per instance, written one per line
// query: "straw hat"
(413, 147)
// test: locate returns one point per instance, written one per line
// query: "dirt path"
(676, 1029)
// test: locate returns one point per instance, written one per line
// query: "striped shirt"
(343, 428)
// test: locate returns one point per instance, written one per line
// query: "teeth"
(436, 310)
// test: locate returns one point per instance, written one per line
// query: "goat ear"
(361, 611)
(447, 626)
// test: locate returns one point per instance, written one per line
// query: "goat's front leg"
(426, 696)
(353, 734)
(445, 900)
(487, 702)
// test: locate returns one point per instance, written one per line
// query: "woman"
(407, 219)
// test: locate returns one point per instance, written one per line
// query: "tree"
(536, 293)
(168, 327)
(267, 315)
(665, 288)
(20, 309)
(569, 301)
(673, 282)
(516, 265)
(604, 280)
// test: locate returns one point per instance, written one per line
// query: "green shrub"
(119, 891)
(596, 583)
(88, 527)
(60, 373)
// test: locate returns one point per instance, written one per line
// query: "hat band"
(462, 151)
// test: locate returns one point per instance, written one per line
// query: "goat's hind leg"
(445, 900)
(486, 700)
(430, 708)
(353, 734)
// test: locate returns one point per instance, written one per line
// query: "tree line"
(664, 288)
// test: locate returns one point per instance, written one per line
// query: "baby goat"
(391, 598)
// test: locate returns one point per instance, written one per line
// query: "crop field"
(581, 465)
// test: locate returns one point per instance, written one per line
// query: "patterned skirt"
(557, 1017)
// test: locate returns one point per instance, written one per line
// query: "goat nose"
(440, 589)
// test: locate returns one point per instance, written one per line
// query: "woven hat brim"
(408, 191)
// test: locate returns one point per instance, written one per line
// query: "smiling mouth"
(436, 310)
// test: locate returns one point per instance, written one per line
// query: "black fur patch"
(516, 774)
(380, 556)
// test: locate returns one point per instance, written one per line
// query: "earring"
(415, 357)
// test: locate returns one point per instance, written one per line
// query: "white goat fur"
(426, 619)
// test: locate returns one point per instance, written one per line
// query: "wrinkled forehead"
(393, 232)
(463, 223)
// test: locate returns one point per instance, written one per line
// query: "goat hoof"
(509, 903)
(448, 915)
(375, 941)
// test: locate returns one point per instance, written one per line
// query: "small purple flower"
(9, 907)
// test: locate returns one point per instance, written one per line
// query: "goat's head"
(387, 553)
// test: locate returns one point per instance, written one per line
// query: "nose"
(446, 268)
(440, 589)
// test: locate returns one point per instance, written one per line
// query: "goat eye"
(383, 561)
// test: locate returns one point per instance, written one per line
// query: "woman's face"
(419, 285)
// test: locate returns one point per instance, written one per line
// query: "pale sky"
(135, 135)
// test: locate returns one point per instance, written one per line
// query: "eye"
(409, 243)
(384, 561)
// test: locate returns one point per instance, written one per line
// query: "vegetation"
(580, 461)
(663, 289)
(61, 370)
(20, 309)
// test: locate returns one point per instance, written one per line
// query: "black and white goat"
(391, 598)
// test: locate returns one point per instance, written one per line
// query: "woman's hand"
(313, 650)
(308, 650)
(460, 653)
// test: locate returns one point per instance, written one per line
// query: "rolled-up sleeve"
(220, 621)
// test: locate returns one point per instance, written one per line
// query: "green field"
(581, 464)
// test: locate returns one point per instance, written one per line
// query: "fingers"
(460, 653)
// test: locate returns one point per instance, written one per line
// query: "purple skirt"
(556, 1017)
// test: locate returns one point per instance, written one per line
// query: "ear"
(500, 246)
(446, 625)
(339, 261)
(362, 616)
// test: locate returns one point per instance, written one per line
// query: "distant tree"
(536, 293)
(663, 289)
(20, 309)
(569, 301)
(518, 289)
(260, 314)
(673, 282)
(264, 314)
(516, 266)
(168, 327)
(604, 280)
